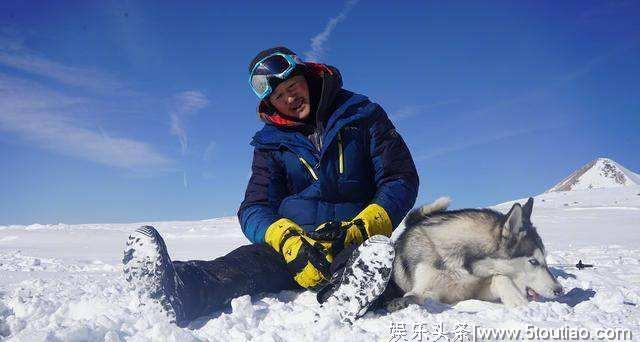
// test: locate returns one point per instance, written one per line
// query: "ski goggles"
(277, 65)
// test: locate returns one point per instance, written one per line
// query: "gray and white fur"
(450, 256)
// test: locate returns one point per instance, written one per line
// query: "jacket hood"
(324, 83)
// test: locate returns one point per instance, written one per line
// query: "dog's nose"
(558, 291)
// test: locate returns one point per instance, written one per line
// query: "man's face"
(291, 98)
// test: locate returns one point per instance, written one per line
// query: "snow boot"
(364, 278)
(149, 271)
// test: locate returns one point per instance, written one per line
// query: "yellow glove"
(308, 260)
(372, 220)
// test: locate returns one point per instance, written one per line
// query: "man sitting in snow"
(331, 179)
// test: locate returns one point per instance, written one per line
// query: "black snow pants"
(209, 286)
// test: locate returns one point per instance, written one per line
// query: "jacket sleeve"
(265, 191)
(396, 177)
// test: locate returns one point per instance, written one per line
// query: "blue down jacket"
(362, 160)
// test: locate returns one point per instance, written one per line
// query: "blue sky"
(116, 112)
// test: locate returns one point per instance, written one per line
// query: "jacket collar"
(276, 137)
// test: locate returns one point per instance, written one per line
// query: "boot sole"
(365, 278)
(147, 266)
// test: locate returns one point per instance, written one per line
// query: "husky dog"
(450, 256)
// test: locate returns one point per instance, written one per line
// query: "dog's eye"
(534, 262)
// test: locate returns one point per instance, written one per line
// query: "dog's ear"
(512, 226)
(527, 209)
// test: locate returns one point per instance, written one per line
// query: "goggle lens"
(272, 66)
(260, 84)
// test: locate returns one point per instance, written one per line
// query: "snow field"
(64, 283)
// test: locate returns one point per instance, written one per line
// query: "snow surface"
(64, 283)
(599, 173)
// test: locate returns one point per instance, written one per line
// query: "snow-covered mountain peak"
(598, 173)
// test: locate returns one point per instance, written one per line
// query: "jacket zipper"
(340, 160)
(309, 168)
(340, 154)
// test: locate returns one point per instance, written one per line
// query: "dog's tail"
(418, 214)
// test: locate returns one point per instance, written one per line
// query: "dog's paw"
(514, 301)
(398, 304)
